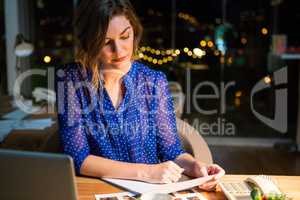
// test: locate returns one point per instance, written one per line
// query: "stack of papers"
(182, 190)
(143, 187)
(16, 115)
(14, 121)
(37, 124)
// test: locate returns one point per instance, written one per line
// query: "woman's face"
(118, 48)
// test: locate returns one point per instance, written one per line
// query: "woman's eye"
(107, 42)
(125, 37)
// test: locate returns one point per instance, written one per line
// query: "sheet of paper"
(5, 128)
(143, 187)
(16, 115)
(33, 109)
(37, 124)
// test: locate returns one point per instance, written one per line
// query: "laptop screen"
(35, 176)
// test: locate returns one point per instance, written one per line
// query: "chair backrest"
(178, 97)
(193, 142)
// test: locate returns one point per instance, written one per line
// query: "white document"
(6, 126)
(16, 115)
(37, 124)
(143, 187)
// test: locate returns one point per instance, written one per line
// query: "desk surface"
(88, 187)
(31, 139)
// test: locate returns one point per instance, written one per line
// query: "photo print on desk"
(115, 196)
(190, 194)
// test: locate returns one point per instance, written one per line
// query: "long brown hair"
(91, 23)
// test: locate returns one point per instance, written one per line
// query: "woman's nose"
(117, 49)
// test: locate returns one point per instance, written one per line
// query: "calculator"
(241, 190)
(236, 190)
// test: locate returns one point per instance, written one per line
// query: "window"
(221, 52)
(3, 80)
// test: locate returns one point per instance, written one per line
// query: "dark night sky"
(207, 11)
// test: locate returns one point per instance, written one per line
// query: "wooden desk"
(34, 140)
(88, 187)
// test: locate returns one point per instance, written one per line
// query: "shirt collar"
(130, 76)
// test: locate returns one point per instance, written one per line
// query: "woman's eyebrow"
(125, 30)
(121, 32)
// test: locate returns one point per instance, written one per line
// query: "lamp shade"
(24, 49)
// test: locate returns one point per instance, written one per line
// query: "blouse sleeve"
(71, 123)
(169, 144)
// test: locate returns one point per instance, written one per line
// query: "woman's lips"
(121, 59)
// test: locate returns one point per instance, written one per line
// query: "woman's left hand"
(200, 169)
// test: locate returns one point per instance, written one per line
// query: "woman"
(116, 115)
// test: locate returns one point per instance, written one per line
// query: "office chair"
(178, 97)
(193, 142)
(191, 139)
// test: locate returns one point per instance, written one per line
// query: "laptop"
(35, 176)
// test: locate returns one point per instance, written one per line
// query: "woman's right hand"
(166, 172)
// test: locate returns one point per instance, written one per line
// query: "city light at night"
(47, 59)
(264, 31)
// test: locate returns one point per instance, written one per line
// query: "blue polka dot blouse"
(141, 130)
